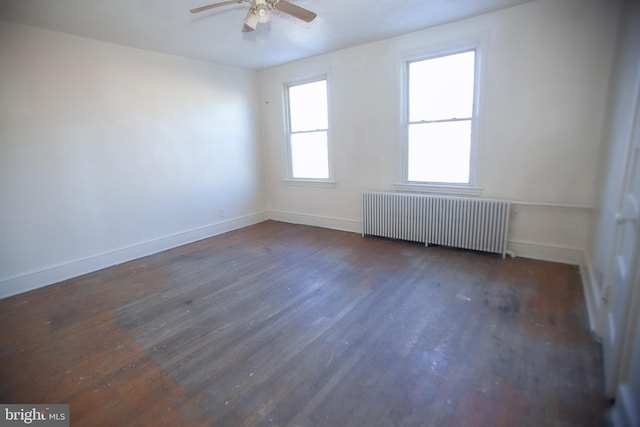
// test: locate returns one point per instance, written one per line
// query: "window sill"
(310, 183)
(454, 190)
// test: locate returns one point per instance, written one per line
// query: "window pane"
(442, 88)
(439, 152)
(308, 106)
(309, 155)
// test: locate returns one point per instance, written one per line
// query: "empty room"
(314, 213)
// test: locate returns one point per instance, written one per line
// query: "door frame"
(617, 356)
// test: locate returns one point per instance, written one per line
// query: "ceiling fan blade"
(295, 10)
(211, 6)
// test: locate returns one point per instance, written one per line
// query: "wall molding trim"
(75, 268)
(551, 205)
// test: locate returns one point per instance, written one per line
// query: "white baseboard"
(34, 280)
(48, 276)
(625, 411)
(547, 251)
(317, 221)
(524, 249)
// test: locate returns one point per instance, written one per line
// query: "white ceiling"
(215, 35)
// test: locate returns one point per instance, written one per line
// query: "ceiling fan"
(260, 11)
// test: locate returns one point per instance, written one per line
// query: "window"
(308, 130)
(440, 119)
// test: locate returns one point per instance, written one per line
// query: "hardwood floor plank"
(278, 324)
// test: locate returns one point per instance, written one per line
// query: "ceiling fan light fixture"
(251, 21)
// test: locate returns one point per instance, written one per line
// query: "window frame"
(470, 188)
(288, 132)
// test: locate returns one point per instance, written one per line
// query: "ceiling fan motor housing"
(263, 13)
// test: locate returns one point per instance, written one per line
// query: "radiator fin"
(462, 222)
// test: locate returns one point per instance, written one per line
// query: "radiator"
(461, 222)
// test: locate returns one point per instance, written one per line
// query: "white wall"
(546, 69)
(108, 153)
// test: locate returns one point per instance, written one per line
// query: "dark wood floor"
(278, 324)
